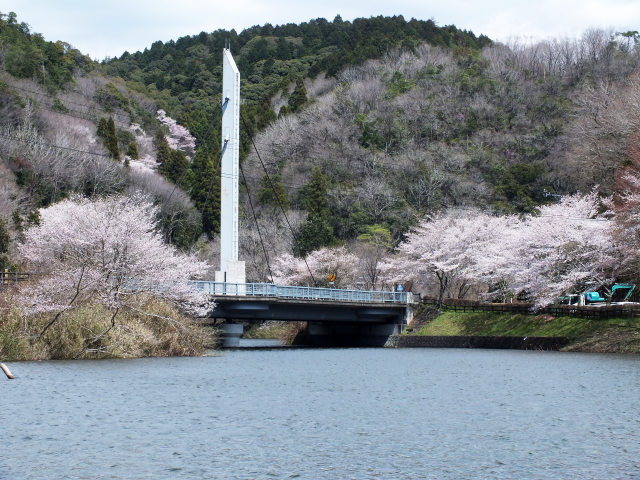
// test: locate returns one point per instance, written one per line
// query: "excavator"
(620, 293)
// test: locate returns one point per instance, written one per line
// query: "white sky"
(109, 27)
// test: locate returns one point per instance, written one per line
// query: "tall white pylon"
(231, 270)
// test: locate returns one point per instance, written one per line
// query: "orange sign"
(332, 277)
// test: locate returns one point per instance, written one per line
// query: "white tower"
(231, 270)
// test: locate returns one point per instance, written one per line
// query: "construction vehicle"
(593, 297)
(620, 293)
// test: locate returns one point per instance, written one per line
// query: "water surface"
(325, 414)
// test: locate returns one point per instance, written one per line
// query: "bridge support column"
(408, 315)
(231, 333)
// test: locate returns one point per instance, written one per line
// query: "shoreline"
(435, 328)
(477, 341)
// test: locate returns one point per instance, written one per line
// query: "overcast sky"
(110, 27)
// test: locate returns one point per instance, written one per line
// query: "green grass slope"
(616, 335)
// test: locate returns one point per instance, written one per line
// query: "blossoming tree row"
(568, 246)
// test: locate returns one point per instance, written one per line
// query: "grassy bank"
(157, 328)
(284, 331)
(620, 335)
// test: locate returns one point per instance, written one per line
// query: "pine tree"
(163, 152)
(112, 139)
(298, 97)
(5, 238)
(283, 50)
(175, 166)
(272, 192)
(317, 231)
(102, 128)
(107, 131)
(205, 191)
(132, 151)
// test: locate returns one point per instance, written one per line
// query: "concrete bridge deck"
(357, 317)
(262, 301)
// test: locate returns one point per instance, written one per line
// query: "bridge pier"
(231, 333)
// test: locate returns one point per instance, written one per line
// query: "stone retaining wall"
(515, 343)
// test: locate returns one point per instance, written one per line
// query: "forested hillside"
(119, 99)
(185, 75)
(505, 128)
(352, 132)
(436, 127)
(66, 130)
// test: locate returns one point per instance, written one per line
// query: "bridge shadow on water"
(275, 344)
(315, 335)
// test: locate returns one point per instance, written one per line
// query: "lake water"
(325, 414)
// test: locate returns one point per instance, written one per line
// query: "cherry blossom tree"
(290, 270)
(567, 247)
(446, 247)
(179, 137)
(625, 229)
(107, 251)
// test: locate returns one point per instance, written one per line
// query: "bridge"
(334, 316)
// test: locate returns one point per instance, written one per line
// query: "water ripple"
(325, 414)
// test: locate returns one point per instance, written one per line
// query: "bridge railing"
(303, 293)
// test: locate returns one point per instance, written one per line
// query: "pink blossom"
(179, 137)
(290, 270)
(105, 250)
(566, 248)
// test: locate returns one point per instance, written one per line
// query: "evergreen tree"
(112, 139)
(267, 68)
(313, 196)
(102, 128)
(132, 151)
(175, 166)
(58, 106)
(283, 51)
(5, 238)
(314, 233)
(273, 192)
(163, 152)
(298, 97)
(317, 231)
(26, 54)
(205, 191)
(107, 131)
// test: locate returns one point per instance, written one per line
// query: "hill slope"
(363, 126)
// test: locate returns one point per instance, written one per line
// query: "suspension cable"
(50, 145)
(293, 233)
(255, 218)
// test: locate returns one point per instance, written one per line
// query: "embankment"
(433, 328)
(155, 328)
